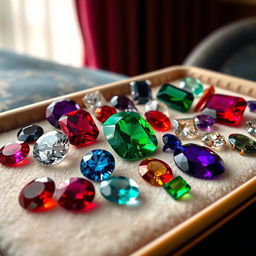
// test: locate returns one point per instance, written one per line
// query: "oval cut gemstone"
(75, 194)
(13, 153)
(158, 120)
(119, 190)
(156, 172)
(198, 161)
(38, 194)
(130, 135)
(102, 113)
(123, 103)
(97, 165)
(30, 133)
(204, 122)
(242, 143)
(171, 142)
(192, 85)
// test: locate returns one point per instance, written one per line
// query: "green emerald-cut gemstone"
(242, 143)
(176, 98)
(177, 187)
(130, 135)
(192, 85)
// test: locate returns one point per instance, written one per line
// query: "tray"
(212, 214)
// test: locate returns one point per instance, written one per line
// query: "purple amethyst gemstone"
(58, 108)
(252, 105)
(123, 103)
(204, 121)
(198, 161)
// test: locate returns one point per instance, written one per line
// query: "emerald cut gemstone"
(130, 135)
(176, 98)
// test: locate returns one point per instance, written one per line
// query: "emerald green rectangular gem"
(176, 98)
(177, 187)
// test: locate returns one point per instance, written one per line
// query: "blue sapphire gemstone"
(97, 165)
(141, 91)
(171, 142)
(252, 105)
(198, 161)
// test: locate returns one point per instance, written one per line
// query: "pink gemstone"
(75, 194)
(13, 153)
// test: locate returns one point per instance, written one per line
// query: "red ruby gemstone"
(75, 194)
(206, 97)
(79, 127)
(158, 120)
(229, 109)
(38, 194)
(13, 153)
(102, 113)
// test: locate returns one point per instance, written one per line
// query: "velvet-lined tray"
(158, 224)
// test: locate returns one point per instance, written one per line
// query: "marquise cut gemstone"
(130, 135)
(158, 120)
(242, 143)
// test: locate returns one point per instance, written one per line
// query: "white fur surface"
(109, 229)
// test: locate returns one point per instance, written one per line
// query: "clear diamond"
(154, 105)
(251, 127)
(185, 128)
(94, 99)
(51, 148)
(213, 140)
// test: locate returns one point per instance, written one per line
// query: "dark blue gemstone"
(252, 105)
(97, 165)
(141, 91)
(123, 103)
(30, 133)
(171, 142)
(198, 161)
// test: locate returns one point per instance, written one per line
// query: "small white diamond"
(154, 105)
(94, 99)
(213, 140)
(251, 127)
(185, 128)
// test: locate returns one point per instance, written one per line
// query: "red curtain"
(135, 36)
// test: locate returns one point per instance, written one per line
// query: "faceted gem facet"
(51, 148)
(252, 105)
(141, 91)
(251, 127)
(229, 109)
(192, 85)
(130, 135)
(123, 103)
(154, 105)
(204, 122)
(198, 161)
(97, 165)
(177, 187)
(185, 128)
(102, 113)
(204, 99)
(75, 194)
(156, 172)
(171, 142)
(158, 120)
(176, 98)
(30, 133)
(58, 108)
(242, 143)
(213, 139)
(94, 99)
(13, 153)
(79, 127)
(119, 190)
(38, 194)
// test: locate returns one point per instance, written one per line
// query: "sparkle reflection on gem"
(213, 139)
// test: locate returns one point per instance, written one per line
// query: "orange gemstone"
(205, 98)
(155, 171)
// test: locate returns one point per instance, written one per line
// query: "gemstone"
(154, 105)
(13, 153)
(251, 127)
(242, 143)
(119, 190)
(58, 108)
(185, 128)
(229, 109)
(102, 113)
(51, 148)
(158, 120)
(97, 165)
(213, 139)
(79, 127)
(177, 187)
(252, 105)
(123, 103)
(176, 98)
(30, 133)
(37, 195)
(204, 122)
(156, 172)
(141, 91)
(94, 99)
(130, 135)
(192, 85)
(171, 142)
(198, 161)
(75, 194)
(204, 99)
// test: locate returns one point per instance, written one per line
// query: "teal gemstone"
(119, 190)
(176, 98)
(192, 85)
